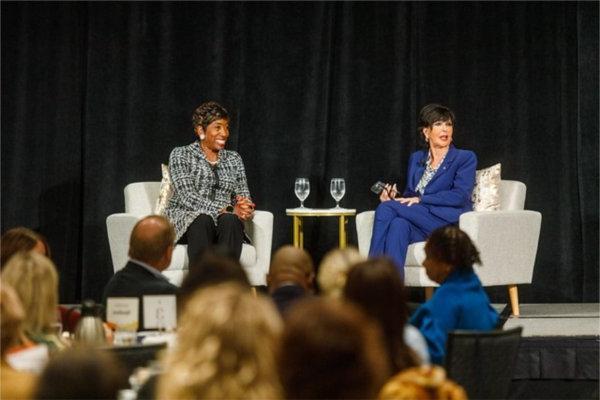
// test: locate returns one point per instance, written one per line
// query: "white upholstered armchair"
(140, 200)
(507, 240)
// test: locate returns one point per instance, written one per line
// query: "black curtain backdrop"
(95, 96)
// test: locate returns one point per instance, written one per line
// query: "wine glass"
(337, 189)
(302, 189)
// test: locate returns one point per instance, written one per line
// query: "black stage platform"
(558, 356)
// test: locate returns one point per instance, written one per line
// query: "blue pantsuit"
(445, 197)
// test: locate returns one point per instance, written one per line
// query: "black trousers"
(202, 234)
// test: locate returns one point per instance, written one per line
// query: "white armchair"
(507, 240)
(140, 200)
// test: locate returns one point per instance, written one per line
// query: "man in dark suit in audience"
(151, 247)
(291, 276)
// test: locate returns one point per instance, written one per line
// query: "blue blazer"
(448, 194)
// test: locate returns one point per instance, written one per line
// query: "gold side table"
(298, 213)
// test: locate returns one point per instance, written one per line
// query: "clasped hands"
(244, 208)
(389, 193)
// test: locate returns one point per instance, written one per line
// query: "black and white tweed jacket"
(199, 188)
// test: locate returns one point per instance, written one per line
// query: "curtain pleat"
(95, 96)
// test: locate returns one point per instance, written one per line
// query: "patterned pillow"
(486, 193)
(166, 191)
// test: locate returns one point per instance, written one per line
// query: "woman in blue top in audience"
(460, 302)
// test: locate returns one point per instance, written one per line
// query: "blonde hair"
(11, 317)
(334, 268)
(422, 383)
(34, 278)
(225, 347)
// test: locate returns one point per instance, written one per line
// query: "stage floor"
(573, 319)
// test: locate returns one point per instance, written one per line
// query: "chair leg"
(428, 293)
(514, 299)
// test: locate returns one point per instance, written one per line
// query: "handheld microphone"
(378, 187)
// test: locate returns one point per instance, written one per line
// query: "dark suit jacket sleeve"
(462, 187)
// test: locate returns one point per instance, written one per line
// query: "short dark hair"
(151, 248)
(289, 257)
(212, 267)
(432, 113)
(83, 373)
(20, 239)
(207, 113)
(451, 245)
(331, 349)
(376, 286)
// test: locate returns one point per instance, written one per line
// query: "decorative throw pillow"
(486, 193)
(166, 191)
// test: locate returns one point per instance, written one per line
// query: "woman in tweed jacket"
(210, 193)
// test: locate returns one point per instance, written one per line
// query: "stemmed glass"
(337, 189)
(302, 189)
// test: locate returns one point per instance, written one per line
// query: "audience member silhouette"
(215, 265)
(15, 384)
(21, 239)
(422, 383)
(375, 285)
(150, 250)
(82, 373)
(291, 276)
(331, 350)
(460, 302)
(334, 269)
(225, 347)
(35, 280)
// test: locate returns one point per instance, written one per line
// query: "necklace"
(439, 161)
(213, 163)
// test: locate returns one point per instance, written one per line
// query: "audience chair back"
(483, 362)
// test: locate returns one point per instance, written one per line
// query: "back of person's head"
(225, 347)
(34, 278)
(449, 244)
(422, 383)
(331, 349)
(291, 264)
(151, 238)
(21, 239)
(334, 269)
(212, 267)
(11, 315)
(375, 285)
(82, 373)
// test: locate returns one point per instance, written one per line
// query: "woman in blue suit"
(438, 189)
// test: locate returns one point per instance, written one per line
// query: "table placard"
(123, 312)
(160, 312)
